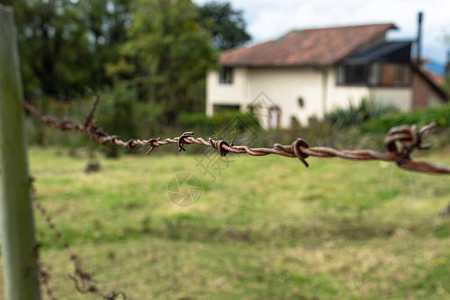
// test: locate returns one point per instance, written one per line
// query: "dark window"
(375, 74)
(301, 102)
(226, 75)
(355, 74)
(221, 108)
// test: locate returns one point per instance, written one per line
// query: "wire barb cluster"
(408, 137)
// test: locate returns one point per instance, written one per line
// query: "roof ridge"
(392, 26)
(344, 26)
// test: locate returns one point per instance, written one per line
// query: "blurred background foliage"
(154, 51)
(67, 44)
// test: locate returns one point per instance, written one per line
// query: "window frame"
(403, 75)
(226, 75)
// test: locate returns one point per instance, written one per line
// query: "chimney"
(419, 36)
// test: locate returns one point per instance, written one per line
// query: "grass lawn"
(266, 228)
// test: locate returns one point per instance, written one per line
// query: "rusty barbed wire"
(79, 275)
(44, 276)
(408, 138)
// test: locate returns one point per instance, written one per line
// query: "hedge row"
(440, 115)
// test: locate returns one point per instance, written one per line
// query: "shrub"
(117, 114)
(359, 113)
(440, 115)
(197, 122)
(229, 120)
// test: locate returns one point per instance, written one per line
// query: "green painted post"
(16, 215)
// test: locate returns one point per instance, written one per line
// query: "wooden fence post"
(16, 215)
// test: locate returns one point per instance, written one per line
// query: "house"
(306, 73)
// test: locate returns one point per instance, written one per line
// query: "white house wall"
(228, 94)
(399, 97)
(342, 96)
(284, 86)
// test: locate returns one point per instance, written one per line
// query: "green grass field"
(267, 228)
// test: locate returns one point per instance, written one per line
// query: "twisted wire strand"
(408, 137)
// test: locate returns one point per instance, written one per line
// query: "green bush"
(226, 119)
(229, 120)
(440, 115)
(116, 111)
(356, 114)
(117, 115)
(197, 122)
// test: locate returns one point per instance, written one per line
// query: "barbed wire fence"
(400, 143)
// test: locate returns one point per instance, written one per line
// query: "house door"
(274, 117)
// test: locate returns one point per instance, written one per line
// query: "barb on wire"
(408, 137)
(86, 285)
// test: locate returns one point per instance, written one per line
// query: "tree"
(107, 23)
(167, 55)
(65, 44)
(53, 46)
(226, 24)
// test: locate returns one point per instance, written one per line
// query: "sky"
(269, 19)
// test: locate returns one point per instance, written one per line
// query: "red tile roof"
(309, 47)
(439, 80)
